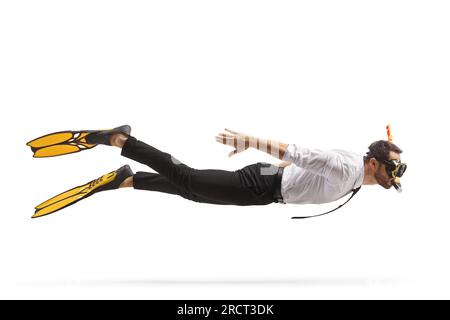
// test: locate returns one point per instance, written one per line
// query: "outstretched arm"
(317, 161)
(241, 142)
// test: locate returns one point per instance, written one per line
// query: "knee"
(181, 175)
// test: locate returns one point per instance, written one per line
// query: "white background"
(323, 74)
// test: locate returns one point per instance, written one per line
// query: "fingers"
(233, 140)
(227, 135)
(221, 139)
(226, 139)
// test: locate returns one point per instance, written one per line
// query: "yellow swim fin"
(59, 143)
(66, 142)
(107, 181)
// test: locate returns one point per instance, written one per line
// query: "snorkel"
(397, 185)
(399, 168)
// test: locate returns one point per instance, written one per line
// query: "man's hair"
(380, 150)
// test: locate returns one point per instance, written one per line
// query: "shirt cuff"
(288, 152)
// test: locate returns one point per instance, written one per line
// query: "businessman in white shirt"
(306, 175)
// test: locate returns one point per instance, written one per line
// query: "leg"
(156, 182)
(242, 187)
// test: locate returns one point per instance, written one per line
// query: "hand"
(240, 141)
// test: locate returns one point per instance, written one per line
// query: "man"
(305, 175)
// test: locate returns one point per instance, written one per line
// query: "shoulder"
(349, 157)
(344, 164)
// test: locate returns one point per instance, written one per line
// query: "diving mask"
(395, 169)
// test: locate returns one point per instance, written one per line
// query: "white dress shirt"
(317, 176)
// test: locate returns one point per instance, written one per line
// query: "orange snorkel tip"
(389, 133)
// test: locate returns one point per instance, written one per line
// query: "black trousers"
(252, 185)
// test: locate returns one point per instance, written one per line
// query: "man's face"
(380, 174)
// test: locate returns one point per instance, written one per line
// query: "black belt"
(277, 194)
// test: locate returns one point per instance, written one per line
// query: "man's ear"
(373, 163)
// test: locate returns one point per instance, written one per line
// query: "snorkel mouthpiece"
(397, 185)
